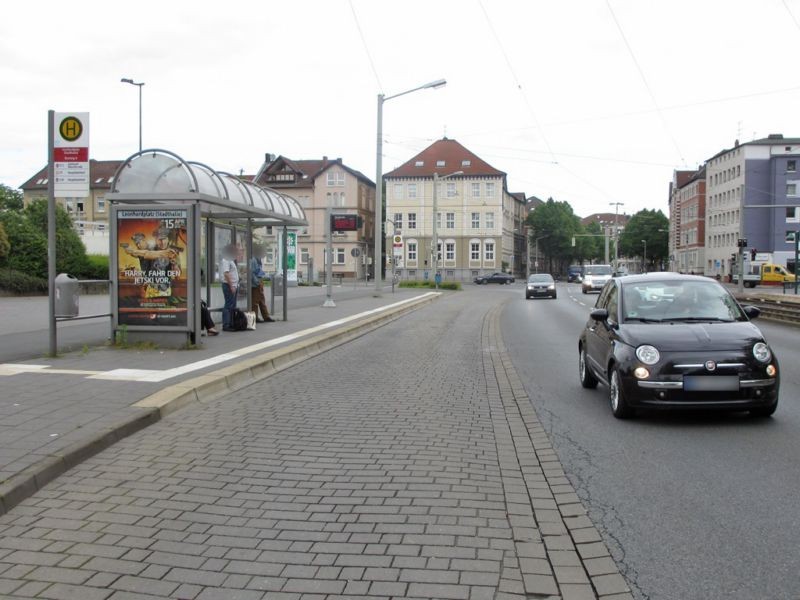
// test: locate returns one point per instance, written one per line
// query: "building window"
(450, 220)
(790, 236)
(488, 247)
(792, 215)
(476, 190)
(440, 163)
(398, 191)
(476, 220)
(335, 178)
(412, 190)
(101, 204)
(412, 250)
(419, 163)
(439, 251)
(303, 256)
(490, 189)
(489, 220)
(412, 220)
(450, 251)
(474, 250)
(466, 163)
(791, 189)
(451, 189)
(791, 166)
(340, 256)
(398, 220)
(269, 256)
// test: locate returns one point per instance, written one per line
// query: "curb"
(200, 389)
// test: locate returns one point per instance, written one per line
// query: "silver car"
(595, 277)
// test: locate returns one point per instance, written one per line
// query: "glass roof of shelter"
(160, 176)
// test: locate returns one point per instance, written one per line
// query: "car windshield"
(671, 301)
(540, 278)
(598, 270)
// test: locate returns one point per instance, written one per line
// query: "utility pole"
(616, 206)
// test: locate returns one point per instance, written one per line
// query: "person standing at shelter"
(257, 276)
(230, 284)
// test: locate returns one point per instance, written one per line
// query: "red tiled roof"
(604, 218)
(455, 156)
(310, 169)
(100, 173)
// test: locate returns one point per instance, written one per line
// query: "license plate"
(705, 383)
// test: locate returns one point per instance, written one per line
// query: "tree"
(10, 199)
(650, 225)
(554, 224)
(5, 245)
(70, 251)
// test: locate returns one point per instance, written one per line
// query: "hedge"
(445, 285)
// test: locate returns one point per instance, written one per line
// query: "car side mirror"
(599, 314)
(751, 311)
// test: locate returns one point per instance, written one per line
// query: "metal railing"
(774, 307)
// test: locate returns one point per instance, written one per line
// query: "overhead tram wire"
(646, 83)
(366, 47)
(791, 14)
(517, 82)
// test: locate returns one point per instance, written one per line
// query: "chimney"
(268, 158)
(324, 158)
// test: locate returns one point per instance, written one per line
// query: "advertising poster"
(151, 262)
(291, 257)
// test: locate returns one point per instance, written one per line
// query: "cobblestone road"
(406, 464)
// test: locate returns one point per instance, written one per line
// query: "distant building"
(89, 214)
(687, 224)
(752, 192)
(317, 184)
(479, 223)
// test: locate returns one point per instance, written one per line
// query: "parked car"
(673, 341)
(595, 277)
(540, 285)
(575, 274)
(497, 277)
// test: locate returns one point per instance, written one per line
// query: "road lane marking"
(155, 376)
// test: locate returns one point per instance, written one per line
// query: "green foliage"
(27, 236)
(650, 225)
(97, 267)
(593, 248)
(5, 245)
(554, 224)
(70, 251)
(28, 247)
(10, 199)
(22, 283)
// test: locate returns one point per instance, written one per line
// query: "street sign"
(345, 222)
(397, 244)
(71, 155)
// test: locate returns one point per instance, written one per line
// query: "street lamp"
(435, 236)
(616, 206)
(378, 259)
(644, 257)
(139, 85)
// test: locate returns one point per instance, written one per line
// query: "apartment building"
(752, 192)
(479, 223)
(316, 185)
(688, 221)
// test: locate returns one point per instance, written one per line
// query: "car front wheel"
(587, 379)
(616, 395)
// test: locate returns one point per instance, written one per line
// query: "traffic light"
(753, 253)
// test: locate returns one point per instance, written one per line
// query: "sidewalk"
(54, 412)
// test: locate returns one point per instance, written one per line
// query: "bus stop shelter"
(170, 219)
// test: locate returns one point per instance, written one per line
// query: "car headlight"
(647, 354)
(761, 352)
(552, 286)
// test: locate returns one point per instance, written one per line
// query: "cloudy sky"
(589, 101)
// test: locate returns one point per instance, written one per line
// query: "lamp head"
(436, 84)
(123, 80)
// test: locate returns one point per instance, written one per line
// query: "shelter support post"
(285, 270)
(51, 234)
(249, 270)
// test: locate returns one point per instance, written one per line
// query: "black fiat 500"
(664, 340)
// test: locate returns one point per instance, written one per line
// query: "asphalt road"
(693, 506)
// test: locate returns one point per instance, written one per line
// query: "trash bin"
(66, 296)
